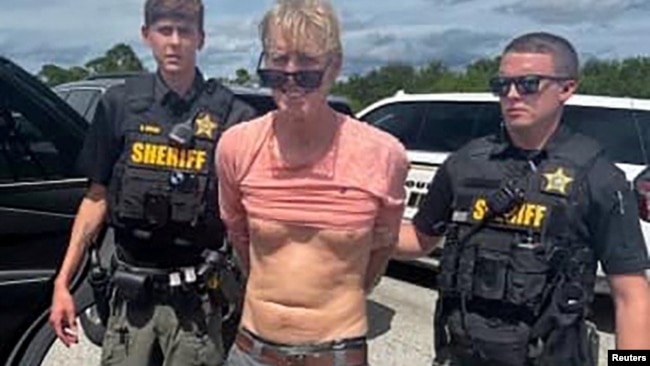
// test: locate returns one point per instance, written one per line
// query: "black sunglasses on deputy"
(525, 85)
(274, 79)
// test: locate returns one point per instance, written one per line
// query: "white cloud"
(575, 11)
(70, 32)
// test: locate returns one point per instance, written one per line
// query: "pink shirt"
(358, 183)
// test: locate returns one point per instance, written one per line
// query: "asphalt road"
(401, 318)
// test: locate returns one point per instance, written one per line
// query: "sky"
(375, 32)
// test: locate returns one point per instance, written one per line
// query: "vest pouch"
(184, 208)
(491, 265)
(490, 274)
(527, 278)
(143, 197)
(465, 274)
(448, 265)
(132, 286)
(490, 340)
(156, 209)
(186, 203)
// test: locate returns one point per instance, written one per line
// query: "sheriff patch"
(169, 157)
(528, 215)
(205, 125)
(557, 180)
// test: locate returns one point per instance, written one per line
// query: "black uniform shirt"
(105, 141)
(609, 215)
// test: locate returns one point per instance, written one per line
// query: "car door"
(40, 138)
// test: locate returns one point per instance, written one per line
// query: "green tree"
(428, 76)
(242, 77)
(120, 58)
(627, 77)
(54, 75)
(377, 84)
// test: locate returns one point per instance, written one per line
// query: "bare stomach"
(306, 285)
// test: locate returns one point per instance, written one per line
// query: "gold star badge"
(557, 181)
(205, 125)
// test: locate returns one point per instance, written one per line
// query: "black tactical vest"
(164, 183)
(499, 274)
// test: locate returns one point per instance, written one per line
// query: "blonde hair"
(303, 22)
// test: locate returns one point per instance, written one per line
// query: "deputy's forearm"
(633, 322)
(88, 222)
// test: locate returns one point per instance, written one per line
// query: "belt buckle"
(296, 359)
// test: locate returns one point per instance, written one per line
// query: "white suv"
(433, 125)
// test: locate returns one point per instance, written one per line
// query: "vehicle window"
(450, 125)
(63, 94)
(437, 126)
(82, 99)
(90, 113)
(25, 153)
(617, 130)
(642, 120)
(402, 120)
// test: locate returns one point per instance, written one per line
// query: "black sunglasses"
(274, 79)
(525, 85)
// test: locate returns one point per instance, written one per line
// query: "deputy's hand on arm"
(421, 236)
(414, 244)
(376, 268)
(631, 294)
(383, 246)
(88, 222)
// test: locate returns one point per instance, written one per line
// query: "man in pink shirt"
(312, 200)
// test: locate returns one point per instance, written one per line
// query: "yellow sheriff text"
(168, 156)
(527, 215)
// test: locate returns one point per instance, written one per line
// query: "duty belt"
(347, 352)
(159, 277)
(139, 283)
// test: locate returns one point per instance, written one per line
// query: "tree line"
(628, 77)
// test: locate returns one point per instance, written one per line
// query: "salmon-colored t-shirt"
(358, 183)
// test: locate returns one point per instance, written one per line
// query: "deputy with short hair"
(149, 155)
(526, 215)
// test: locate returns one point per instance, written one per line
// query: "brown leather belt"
(284, 356)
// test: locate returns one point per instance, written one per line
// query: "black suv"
(40, 189)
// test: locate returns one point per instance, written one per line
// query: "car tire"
(92, 325)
